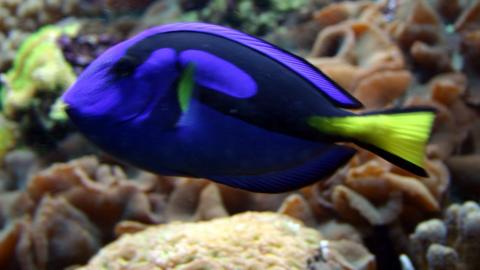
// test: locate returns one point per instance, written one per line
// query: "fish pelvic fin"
(399, 136)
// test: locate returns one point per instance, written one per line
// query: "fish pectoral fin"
(293, 178)
(185, 87)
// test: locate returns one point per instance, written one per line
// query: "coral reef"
(247, 240)
(267, 14)
(286, 22)
(119, 6)
(100, 191)
(390, 55)
(64, 216)
(8, 46)
(30, 89)
(386, 53)
(19, 18)
(56, 235)
(451, 243)
(465, 170)
(92, 39)
(455, 119)
(80, 50)
(97, 202)
(332, 255)
(468, 27)
(39, 66)
(373, 191)
(8, 136)
(362, 58)
(18, 166)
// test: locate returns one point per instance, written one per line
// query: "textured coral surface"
(449, 243)
(246, 241)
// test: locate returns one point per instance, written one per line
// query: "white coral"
(245, 241)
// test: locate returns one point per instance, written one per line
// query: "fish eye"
(125, 66)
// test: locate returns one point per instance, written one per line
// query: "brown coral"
(431, 59)
(376, 192)
(414, 26)
(468, 27)
(100, 191)
(465, 170)
(69, 211)
(125, 6)
(367, 11)
(359, 43)
(296, 206)
(61, 235)
(470, 18)
(353, 206)
(454, 121)
(415, 21)
(210, 204)
(58, 235)
(362, 54)
(470, 47)
(383, 88)
(97, 203)
(362, 59)
(449, 9)
(342, 255)
(418, 30)
(338, 12)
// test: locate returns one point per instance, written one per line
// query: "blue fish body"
(242, 122)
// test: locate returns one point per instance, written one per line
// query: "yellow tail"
(398, 136)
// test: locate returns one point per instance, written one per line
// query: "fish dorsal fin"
(325, 85)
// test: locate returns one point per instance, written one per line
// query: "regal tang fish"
(203, 100)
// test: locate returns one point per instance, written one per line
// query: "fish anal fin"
(294, 178)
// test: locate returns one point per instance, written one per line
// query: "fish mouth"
(62, 105)
(59, 110)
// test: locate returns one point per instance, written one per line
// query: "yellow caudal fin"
(400, 136)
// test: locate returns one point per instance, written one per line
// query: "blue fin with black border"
(294, 178)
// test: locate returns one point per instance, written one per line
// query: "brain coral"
(244, 241)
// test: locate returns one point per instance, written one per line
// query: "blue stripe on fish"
(218, 74)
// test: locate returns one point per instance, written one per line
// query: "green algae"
(39, 66)
(8, 136)
(254, 17)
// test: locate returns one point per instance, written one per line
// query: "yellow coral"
(245, 241)
(38, 65)
(7, 136)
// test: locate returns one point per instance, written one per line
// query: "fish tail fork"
(399, 136)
